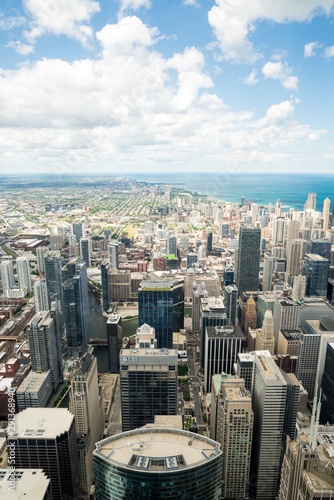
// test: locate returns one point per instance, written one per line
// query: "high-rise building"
(321, 247)
(212, 313)
(171, 245)
(231, 303)
(85, 245)
(316, 270)
(292, 231)
(311, 201)
(279, 231)
(148, 381)
(295, 252)
(158, 463)
(265, 339)
(209, 241)
(41, 296)
(327, 387)
(114, 336)
(23, 274)
(248, 259)
(309, 344)
(286, 316)
(45, 438)
(30, 484)
(78, 229)
(76, 307)
(113, 253)
(269, 400)
(222, 346)
(53, 265)
(105, 285)
(161, 305)
(7, 276)
(298, 287)
(40, 254)
(45, 346)
(268, 271)
(86, 404)
(119, 284)
(231, 425)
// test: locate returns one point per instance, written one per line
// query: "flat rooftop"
(30, 484)
(157, 449)
(46, 423)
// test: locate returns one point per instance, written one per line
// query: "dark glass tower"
(316, 270)
(327, 386)
(161, 305)
(76, 307)
(248, 259)
(105, 265)
(53, 265)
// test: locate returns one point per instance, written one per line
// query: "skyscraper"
(105, 285)
(53, 265)
(41, 296)
(148, 381)
(269, 399)
(248, 259)
(311, 201)
(265, 339)
(76, 307)
(161, 305)
(298, 287)
(327, 387)
(212, 313)
(45, 346)
(86, 404)
(158, 463)
(171, 245)
(325, 214)
(40, 254)
(231, 425)
(113, 253)
(316, 270)
(7, 276)
(78, 229)
(85, 251)
(23, 274)
(279, 231)
(45, 439)
(286, 316)
(114, 336)
(268, 271)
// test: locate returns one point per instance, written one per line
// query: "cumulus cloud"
(280, 71)
(251, 78)
(233, 22)
(133, 5)
(191, 3)
(329, 51)
(61, 18)
(310, 49)
(21, 48)
(8, 23)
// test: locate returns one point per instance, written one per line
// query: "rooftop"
(42, 422)
(30, 484)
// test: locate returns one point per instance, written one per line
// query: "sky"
(119, 86)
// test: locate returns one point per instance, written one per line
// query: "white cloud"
(251, 78)
(131, 107)
(310, 48)
(21, 48)
(191, 3)
(58, 17)
(280, 71)
(133, 5)
(8, 23)
(329, 51)
(233, 21)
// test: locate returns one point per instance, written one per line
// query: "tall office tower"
(332, 219)
(307, 471)
(105, 266)
(76, 306)
(311, 201)
(85, 244)
(222, 346)
(56, 239)
(298, 287)
(225, 229)
(212, 313)
(161, 305)
(248, 259)
(295, 253)
(40, 254)
(321, 247)
(327, 387)
(148, 382)
(201, 252)
(265, 339)
(269, 400)
(23, 274)
(184, 241)
(307, 363)
(171, 245)
(86, 404)
(113, 253)
(268, 271)
(231, 303)
(78, 229)
(41, 296)
(279, 231)
(53, 265)
(114, 336)
(248, 315)
(191, 259)
(292, 230)
(209, 241)
(147, 462)
(316, 270)
(199, 291)
(7, 276)
(254, 212)
(264, 301)
(231, 425)
(45, 347)
(286, 316)
(278, 208)
(325, 214)
(45, 438)
(31, 484)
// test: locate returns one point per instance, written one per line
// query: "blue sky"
(166, 85)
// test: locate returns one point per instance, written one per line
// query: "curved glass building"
(154, 463)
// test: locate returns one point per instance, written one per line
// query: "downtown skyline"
(139, 85)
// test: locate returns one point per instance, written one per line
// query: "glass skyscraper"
(248, 259)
